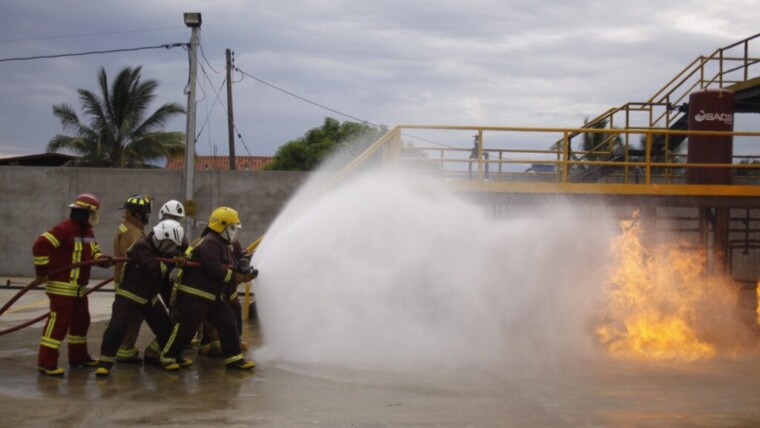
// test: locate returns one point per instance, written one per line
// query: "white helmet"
(172, 208)
(171, 230)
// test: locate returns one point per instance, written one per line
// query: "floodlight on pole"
(192, 19)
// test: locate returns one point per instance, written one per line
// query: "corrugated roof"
(220, 162)
(42, 159)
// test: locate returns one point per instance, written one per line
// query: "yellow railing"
(726, 67)
(513, 154)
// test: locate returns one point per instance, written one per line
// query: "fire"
(758, 302)
(661, 304)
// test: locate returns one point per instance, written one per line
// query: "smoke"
(392, 271)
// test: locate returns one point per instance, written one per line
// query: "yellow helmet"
(221, 218)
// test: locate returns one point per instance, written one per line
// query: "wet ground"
(582, 394)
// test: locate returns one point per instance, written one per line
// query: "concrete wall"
(36, 198)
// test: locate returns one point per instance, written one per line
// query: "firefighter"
(202, 293)
(137, 210)
(138, 291)
(210, 344)
(71, 241)
(172, 210)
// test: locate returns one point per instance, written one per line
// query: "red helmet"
(86, 201)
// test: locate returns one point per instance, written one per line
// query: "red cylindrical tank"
(710, 110)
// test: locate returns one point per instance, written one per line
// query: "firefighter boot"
(174, 365)
(170, 366)
(51, 371)
(89, 362)
(152, 354)
(129, 356)
(104, 369)
(241, 365)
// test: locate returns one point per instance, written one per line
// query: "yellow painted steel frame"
(733, 72)
(389, 147)
(728, 67)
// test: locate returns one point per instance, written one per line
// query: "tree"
(601, 142)
(308, 152)
(119, 132)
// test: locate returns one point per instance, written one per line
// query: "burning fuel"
(758, 303)
(662, 304)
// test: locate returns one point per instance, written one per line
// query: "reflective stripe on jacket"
(65, 244)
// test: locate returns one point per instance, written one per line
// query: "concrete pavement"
(584, 394)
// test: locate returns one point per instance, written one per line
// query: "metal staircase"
(733, 67)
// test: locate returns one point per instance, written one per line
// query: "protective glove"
(243, 277)
(180, 260)
(105, 262)
(41, 279)
(245, 260)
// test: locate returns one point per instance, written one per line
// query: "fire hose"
(99, 285)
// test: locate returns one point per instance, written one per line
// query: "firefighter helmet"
(221, 218)
(172, 208)
(86, 201)
(171, 230)
(138, 203)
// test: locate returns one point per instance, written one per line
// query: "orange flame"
(661, 304)
(758, 302)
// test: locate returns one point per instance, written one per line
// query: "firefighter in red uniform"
(142, 280)
(69, 242)
(202, 293)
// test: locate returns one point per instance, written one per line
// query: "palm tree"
(117, 132)
(600, 145)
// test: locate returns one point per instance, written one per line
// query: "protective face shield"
(94, 218)
(231, 231)
(168, 235)
(221, 218)
(164, 246)
(87, 201)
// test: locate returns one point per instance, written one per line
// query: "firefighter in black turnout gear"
(202, 293)
(137, 294)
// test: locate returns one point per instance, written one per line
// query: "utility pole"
(230, 122)
(193, 21)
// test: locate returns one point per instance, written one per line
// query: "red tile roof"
(220, 162)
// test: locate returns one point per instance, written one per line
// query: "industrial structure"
(675, 157)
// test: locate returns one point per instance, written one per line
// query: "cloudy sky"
(547, 63)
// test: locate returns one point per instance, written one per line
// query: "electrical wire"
(243, 73)
(211, 147)
(304, 99)
(203, 54)
(71, 36)
(29, 58)
(240, 137)
(218, 98)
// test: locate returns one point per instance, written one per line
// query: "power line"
(203, 54)
(29, 58)
(304, 99)
(240, 137)
(331, 109)
(208, 112)
(70, 36)
(218, 98)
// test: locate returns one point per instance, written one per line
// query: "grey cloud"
(489, 62)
